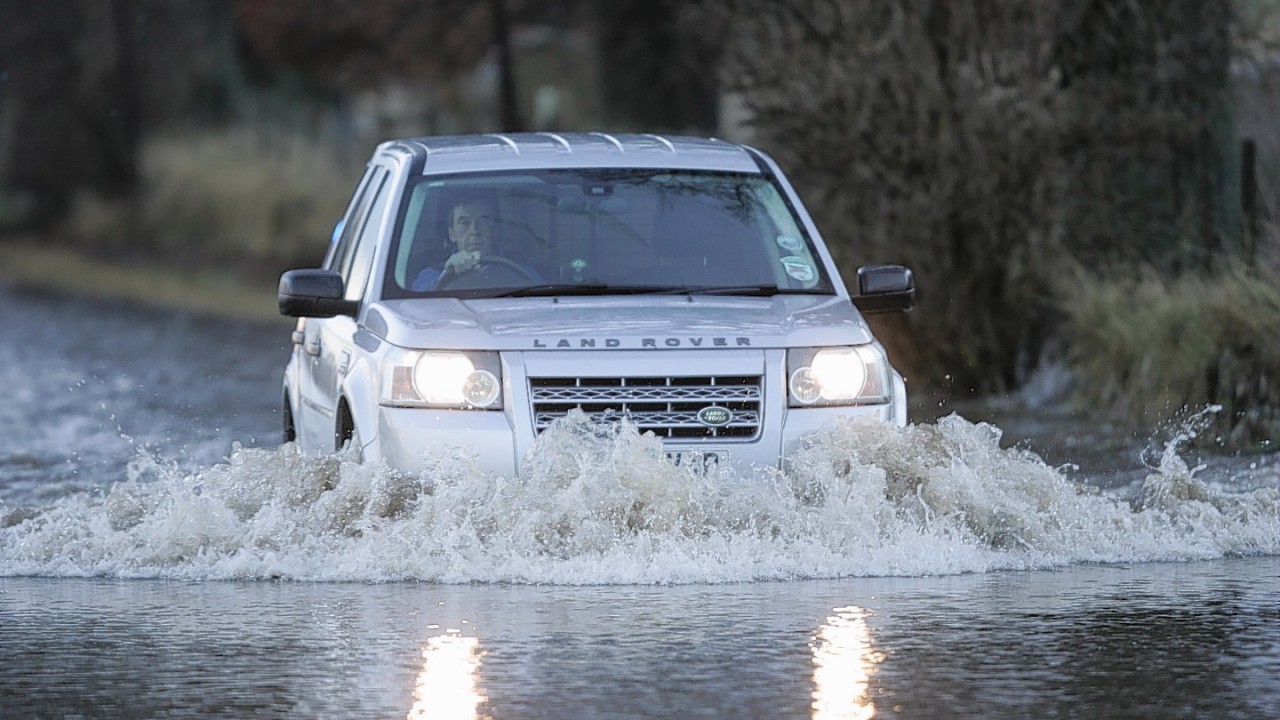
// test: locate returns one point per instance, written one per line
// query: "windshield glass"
(599, 232)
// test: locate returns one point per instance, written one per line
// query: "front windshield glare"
(599, 231)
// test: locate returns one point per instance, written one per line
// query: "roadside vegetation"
(1002, 149)
(1152, 347)
(218, 291)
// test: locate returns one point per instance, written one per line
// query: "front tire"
(345, 435)
(289, 433)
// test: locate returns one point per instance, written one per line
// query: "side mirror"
(885, 288)
(314, 293)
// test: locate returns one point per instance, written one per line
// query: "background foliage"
(987, 144)
(1061, 174)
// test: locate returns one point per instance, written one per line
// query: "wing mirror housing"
(314, 293)
(885, 288)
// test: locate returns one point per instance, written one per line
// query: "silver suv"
(480, 288)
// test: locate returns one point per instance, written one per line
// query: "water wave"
(599, 505)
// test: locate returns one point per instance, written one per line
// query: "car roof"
(477, 153)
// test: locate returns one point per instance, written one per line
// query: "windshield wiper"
(554, 289)
(551, 290)
(767, 290)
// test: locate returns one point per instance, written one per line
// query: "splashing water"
(600, 505)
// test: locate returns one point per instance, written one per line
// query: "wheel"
(346, 438)
(490, 271)
(289, 432)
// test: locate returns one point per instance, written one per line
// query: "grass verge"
(212, 292)
(1153, 347)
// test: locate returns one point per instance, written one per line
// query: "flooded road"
(161, 557)
(89, 384)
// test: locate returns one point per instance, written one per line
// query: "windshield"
(599, 231)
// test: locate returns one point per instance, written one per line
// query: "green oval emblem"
(715, 416)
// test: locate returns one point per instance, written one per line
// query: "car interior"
(653, 229)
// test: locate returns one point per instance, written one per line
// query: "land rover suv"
(480, 288)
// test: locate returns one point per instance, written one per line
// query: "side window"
(340, 253)
(356, 271)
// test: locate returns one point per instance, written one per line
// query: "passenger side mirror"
(885, 288)
(314, 293)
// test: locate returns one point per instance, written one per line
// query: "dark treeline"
(86, 81)
(1024, 158)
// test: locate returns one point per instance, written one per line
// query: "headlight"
(442, 379)
(857, 375)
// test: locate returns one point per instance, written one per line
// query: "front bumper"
(498, 442)
(417, 440)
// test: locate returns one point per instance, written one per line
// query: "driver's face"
(472, 227)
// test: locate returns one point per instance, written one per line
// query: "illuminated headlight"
(442, 379)
(857, 375)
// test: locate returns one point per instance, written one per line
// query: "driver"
(471, 226)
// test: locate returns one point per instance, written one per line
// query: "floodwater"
(160, 557)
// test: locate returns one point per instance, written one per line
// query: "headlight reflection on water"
(843, 661)
(448, 685)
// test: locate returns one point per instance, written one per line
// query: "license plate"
(699, 462)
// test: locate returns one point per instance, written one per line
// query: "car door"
(337, 341)
(325, 340)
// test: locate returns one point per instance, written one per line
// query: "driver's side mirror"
(314, 293)
(885, 288)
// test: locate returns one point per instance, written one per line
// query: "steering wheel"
(490, 270)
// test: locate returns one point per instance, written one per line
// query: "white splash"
(601, 506)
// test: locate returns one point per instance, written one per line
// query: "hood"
(624, 323)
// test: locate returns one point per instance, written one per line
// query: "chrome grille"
(666, 406)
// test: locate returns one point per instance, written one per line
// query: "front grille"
(666, 406)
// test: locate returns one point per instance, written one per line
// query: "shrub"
(1152, 347)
